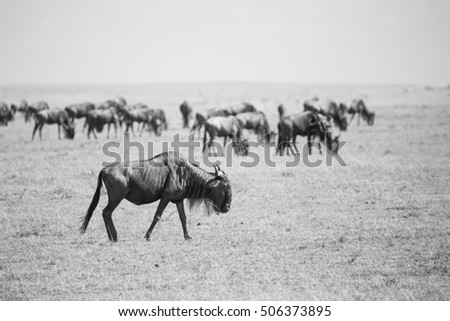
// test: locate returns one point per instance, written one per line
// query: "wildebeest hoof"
(187, 237)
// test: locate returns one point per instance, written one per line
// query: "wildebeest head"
(71, 111)
(221, 191)
(242, 147)
(342, 123)
(371, 118)
(69, 131)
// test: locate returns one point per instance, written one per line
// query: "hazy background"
(310, 41)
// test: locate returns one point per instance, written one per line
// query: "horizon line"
(228, 82)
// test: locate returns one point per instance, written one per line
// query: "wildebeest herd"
(170, 177)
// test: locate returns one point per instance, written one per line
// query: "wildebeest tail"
(94, 203)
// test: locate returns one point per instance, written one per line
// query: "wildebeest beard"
(213, 193)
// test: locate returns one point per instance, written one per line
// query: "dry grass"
(377, 229)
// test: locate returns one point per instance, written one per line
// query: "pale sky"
(306, 41)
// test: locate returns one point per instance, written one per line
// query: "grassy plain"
(377, 229)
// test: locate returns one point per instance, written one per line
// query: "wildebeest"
(22, 107)
(53, 116)
(79, 110)
(226, 127)
(186, 112)
(138, 113)
(158, 121)
(357, 106)
(338, 114)
(241, 108)
(122, 101)
(314, 105)
(304, 124)
(281, 111)
(168, 177)
(328, 108)
(257, 122)
(202, 117)
(97, 119)
(6, 114)
(34, 108)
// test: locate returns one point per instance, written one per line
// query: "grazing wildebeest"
(21, 107)
(79, 110)
(226, 127)
(186, 112)
(357, 106)
(157, 122)
(281, 111)
(53, 116)
(202, 117)
(139, 114)
(97, 119)
(337, 114)
(241, 108)
(33, 109)
(122, 101)
(257, 122)
(314, 105)
(168, 177)
(304, 124)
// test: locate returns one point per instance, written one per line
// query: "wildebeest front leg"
(59, 131)
(309, 145)
(40, 131)
(161, 207)
(181, 212)
(36, 126)
(142, 129)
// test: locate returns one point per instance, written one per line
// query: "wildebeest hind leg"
(115, 196)
(161, 207)
(181, 212)
(107, 217)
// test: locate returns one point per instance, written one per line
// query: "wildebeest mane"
(198, 181)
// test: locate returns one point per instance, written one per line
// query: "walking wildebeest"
(53, 116)
(168, 177)
(357, 106)
(79, 110)
(226, 127)
(304, 124)
(186, 112)
(97, 119)
(257, 122)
